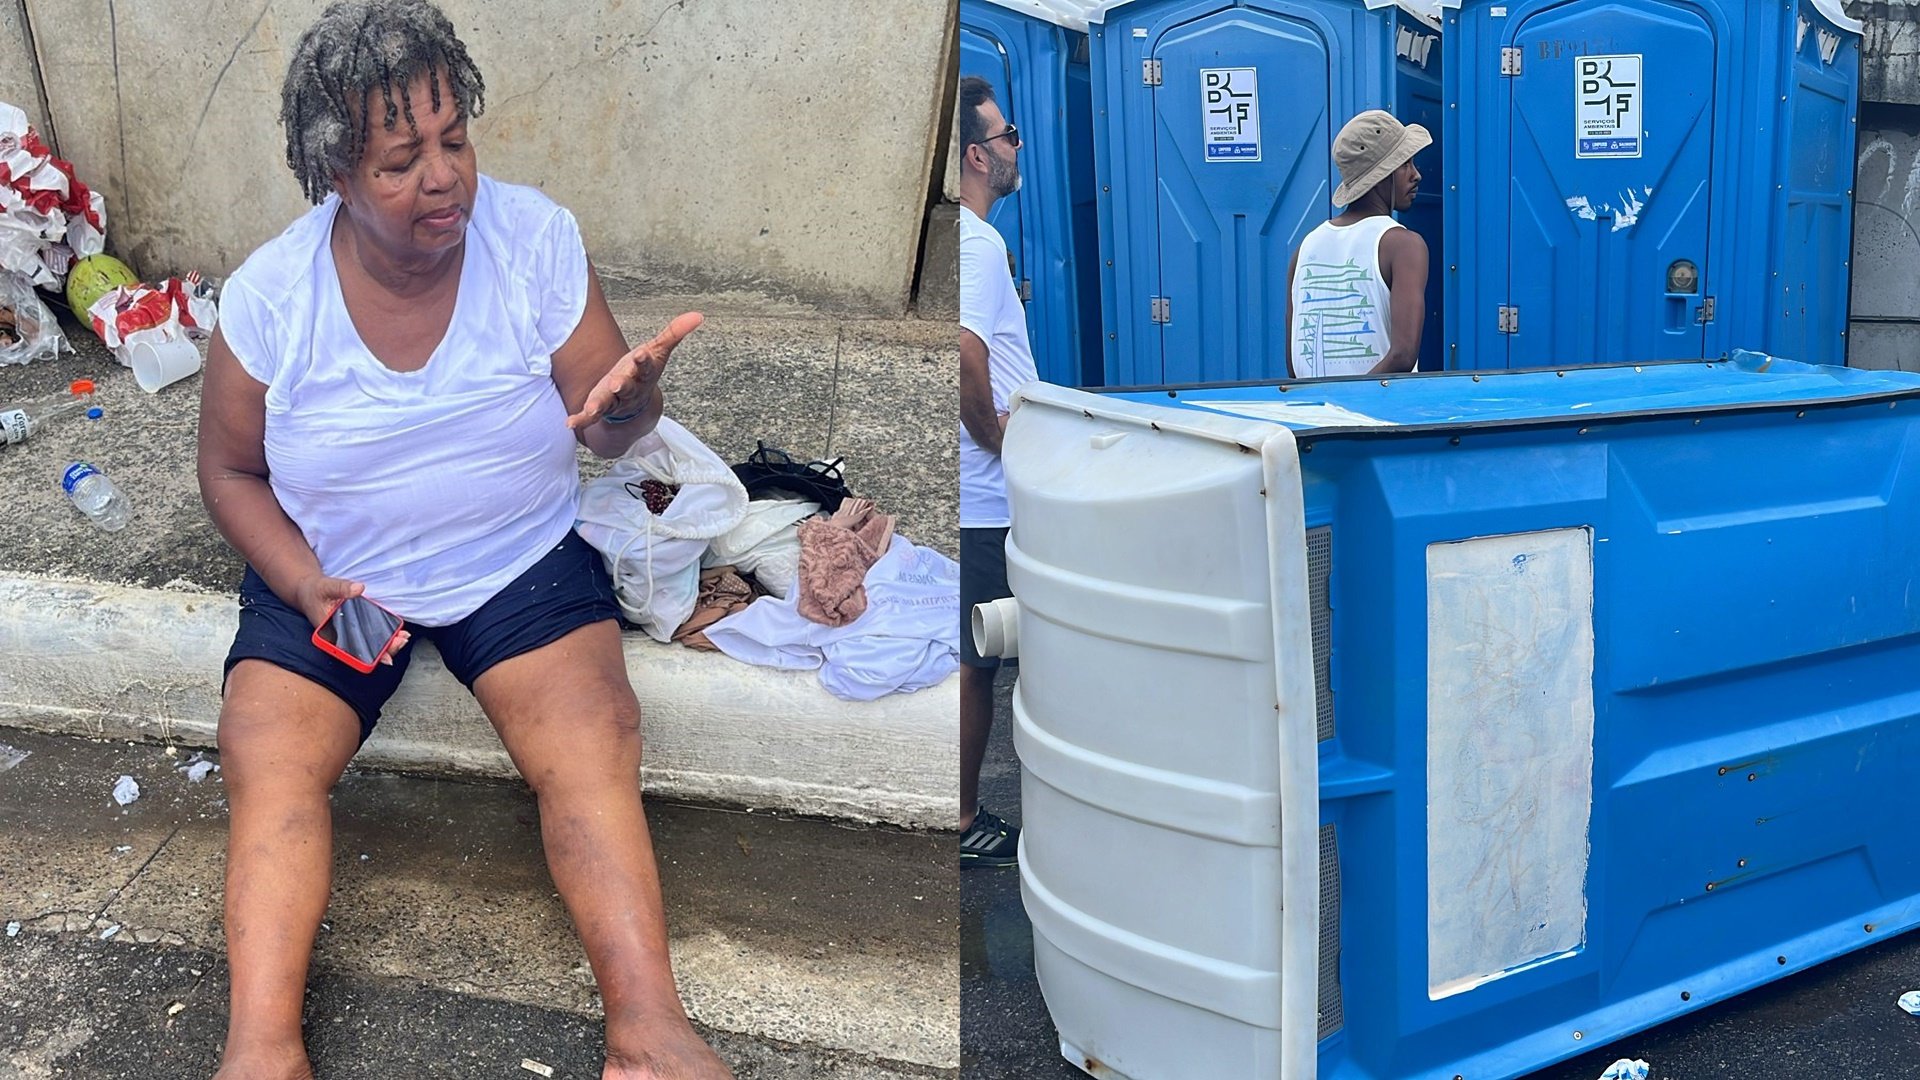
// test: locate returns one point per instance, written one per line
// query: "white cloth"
(991, 309)
(434, 487)
(1341, 314)
(765, 544)
(908, 638)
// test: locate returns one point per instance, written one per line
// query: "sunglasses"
(1012, 135)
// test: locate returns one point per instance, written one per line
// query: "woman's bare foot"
(669, 1050)
(267, 1062)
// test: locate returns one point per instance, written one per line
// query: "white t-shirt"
(991, 309)
(1342, 311)
(436, 487)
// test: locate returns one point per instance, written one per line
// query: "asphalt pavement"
(802, 948)
(1837, 1021)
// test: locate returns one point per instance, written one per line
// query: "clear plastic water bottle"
(96, 496)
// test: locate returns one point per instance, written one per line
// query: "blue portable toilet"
(1449, 725)
(1213, 147)
(1034, 53)
(1663, 179)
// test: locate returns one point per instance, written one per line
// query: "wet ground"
(1837, 1021)
(803, 948)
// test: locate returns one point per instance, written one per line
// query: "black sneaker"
(989, 841)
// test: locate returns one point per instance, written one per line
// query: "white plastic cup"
(160, 364)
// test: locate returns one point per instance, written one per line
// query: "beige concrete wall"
(1889, 50)
(787, 146)
(18, 86)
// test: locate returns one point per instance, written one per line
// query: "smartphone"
(356, 631)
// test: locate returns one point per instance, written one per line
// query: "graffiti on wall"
(1869, 169)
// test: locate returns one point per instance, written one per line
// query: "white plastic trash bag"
(655, 558)
(28, 330)
(766, 543)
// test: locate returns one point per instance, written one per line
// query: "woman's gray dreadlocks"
(359, 46)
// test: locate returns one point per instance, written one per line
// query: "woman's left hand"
(629, 388)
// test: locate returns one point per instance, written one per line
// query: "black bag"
(770, 472)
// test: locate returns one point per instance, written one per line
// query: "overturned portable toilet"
(1451, 725)
(1034, 54)
(1649, 181)
(1213, 146)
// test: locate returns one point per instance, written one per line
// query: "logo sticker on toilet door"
(1607, 101)
(1230, 113)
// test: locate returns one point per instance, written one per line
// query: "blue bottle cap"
(95, 413)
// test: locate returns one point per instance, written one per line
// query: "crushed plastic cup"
(1910, 1001)
(158, 364)
(1626, 1069)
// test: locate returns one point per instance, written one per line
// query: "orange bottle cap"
(82, 386)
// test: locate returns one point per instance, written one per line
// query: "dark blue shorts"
(567, 589)
(983, 579)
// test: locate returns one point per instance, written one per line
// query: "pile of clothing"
(793, 570)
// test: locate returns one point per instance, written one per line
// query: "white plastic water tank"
(1165, 724)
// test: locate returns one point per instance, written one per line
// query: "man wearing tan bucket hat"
(1357, 284)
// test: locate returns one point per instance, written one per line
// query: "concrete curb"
(79, 657)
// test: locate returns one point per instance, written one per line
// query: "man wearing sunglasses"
(995, 360)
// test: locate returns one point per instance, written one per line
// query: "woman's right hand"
(317, 595)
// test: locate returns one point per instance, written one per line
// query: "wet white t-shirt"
(991, 309)
(436, 487)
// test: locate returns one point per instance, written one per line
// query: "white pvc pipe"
(996, 628)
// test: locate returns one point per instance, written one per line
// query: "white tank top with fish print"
(1340, 304)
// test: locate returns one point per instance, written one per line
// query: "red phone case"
(345, 657)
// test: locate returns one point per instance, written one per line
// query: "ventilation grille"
(1319, 574)
(1332, 1013)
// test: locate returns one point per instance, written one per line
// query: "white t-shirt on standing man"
(991, 310)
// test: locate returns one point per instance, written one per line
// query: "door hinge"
(1509, 319)
(1150, 72)
(1162, 310)
(1026, 290)
(1510, 60)
(1706, 311)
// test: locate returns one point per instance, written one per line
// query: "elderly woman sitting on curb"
(390, 408)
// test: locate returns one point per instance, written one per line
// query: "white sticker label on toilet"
(1230, 113)
(1607, 100)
